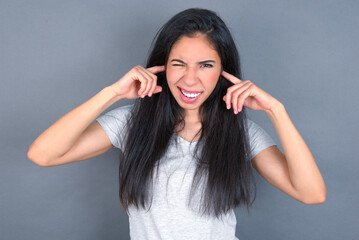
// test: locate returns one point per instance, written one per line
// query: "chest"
(173, 176)
(190, 132)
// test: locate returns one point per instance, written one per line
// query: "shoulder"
(258, 138)
(114, 122)
(252, 127)
(116, 117)
(119, 111)
(117, 114)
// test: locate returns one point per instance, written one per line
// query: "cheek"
(173, 76)
(212, 78)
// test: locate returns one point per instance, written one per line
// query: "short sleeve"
(114, 123)
(258, 138)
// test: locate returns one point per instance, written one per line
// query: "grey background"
(55, 55)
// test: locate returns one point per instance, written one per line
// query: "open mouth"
(189, 96)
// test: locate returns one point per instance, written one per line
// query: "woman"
(187, 149)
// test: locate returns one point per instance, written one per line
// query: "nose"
(190, 76)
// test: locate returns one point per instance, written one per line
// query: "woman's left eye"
(207, 65)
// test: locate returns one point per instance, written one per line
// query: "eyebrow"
(201, 62)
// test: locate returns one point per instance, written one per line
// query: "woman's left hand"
(246, 94)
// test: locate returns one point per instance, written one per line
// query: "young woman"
(187, 149)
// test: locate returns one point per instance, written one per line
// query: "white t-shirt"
(170, 217)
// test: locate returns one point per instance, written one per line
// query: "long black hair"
(222, 151)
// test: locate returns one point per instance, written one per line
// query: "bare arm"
(294, 172)
(71, 138)
(60, 137)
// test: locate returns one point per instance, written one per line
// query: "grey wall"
(54, 55)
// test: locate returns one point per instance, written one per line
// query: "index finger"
(156, 69)
(230, 77)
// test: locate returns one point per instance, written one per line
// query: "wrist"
(276, 110)
(111, 94)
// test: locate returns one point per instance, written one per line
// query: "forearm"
(304, 173)
(61, 136)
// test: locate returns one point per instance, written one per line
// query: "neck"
(192, 116)
(191, 129)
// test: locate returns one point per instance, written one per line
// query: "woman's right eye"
(177, 65)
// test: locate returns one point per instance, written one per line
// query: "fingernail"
(150, 94)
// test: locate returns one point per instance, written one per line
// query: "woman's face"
(192, 71)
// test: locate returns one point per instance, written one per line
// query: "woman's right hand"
(138, 82)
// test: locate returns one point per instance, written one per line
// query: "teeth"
(190, 95)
